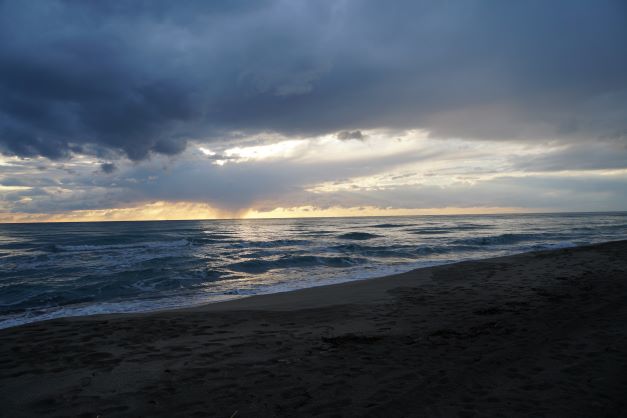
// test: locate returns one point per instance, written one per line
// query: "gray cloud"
(538, 192)
(135, 78)
(585, 156)
(344, 135)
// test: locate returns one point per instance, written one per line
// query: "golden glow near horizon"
(190, 210)
(312, 212)
(147, 212)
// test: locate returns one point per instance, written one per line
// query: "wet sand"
(537, 334)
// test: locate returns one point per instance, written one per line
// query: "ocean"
(72, 269)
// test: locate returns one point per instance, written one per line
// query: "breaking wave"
(400, 251)
(501, 239)
(262, 266)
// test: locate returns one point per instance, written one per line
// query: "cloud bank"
(134, 79)
(327, 174)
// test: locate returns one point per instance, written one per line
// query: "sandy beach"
(536, 334)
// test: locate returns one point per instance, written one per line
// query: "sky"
(129, 110)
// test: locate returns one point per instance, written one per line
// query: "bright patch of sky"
(384, 172)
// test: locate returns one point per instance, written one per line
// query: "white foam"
(134, 306)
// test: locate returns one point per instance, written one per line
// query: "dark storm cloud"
(137, 77)
(108, 168)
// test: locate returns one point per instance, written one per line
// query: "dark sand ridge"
(537, 334)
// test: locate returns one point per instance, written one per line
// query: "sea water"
(69, 269)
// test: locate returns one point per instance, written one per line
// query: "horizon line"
(326, 217)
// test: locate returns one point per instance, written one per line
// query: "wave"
(555, 245)
(388, 226)
(220, 235)
(312, 233)
(501, 239)
(106, 247)
(358, 236)
(430, 231)
(613, 226)
(262, 266)
(199, 241)
(269, 244)
(401, 251)
(470, 226)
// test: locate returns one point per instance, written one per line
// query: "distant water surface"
(69, 269)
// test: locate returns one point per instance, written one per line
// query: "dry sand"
(538, 334)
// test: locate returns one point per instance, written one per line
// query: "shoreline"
(537, 333)
(229, 299)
